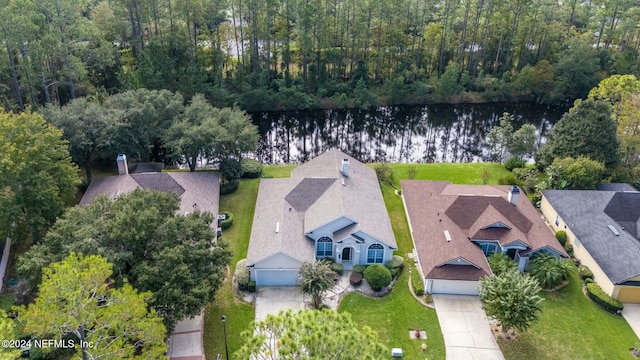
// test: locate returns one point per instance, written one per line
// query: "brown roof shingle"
(465, 211)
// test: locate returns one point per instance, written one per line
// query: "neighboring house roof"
(317, 194)
(197, 190)
(589, 213)
(615, 187)
(439, 210)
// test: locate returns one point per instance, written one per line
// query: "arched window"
(324, 247)
(375, 254)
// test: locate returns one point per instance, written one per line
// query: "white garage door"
(457, 287)
(276, 277)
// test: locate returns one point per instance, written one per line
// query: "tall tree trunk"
(14, 77)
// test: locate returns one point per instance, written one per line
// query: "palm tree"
(316, 278)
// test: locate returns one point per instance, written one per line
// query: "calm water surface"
(432, 133)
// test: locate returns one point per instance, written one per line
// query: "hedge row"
(601, 298)
(228, 221)
(416, 281)
(230, 187)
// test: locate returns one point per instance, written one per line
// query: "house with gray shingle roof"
(604, 229)
(330, 208)
(455, 227)
(197, 190)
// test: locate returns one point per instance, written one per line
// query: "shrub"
(601, 298)
(337, 268)
(394, 272)
(359, 268)
(569, 249)
(585, 272)
(229, 187)
(561, 235)
(385, 174)
(419, 291)
(251, 287)
(508, 180)
(549, 270)
(377, 276)
(396, 262)
(242, 275)
(514, 162)
(251, 168)
(355, 279)
(501, 263)
(588, 281)
(228, 221)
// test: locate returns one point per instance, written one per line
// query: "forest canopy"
(286, 54)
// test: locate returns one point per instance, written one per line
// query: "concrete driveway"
(465, 327)
(631, 313)
(185, 343)
(272, 300)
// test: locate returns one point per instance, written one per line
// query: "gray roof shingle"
(197, 190)
(316, 194)
(586, 212)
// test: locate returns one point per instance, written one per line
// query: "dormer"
(497, 225)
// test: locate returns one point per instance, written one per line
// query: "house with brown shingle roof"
(456, 227)
(330, 208)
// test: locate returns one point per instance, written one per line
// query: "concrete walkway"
(631, 313)
(465, 327)
(185, 343)
(272, 300)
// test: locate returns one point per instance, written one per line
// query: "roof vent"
(278, 227)
(447, 236)
(345, 167)
(613, 230)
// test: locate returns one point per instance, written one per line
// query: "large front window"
(375, 254)
(324, 247)
(488, 249)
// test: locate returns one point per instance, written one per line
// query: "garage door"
(457, 287)
(276, 277)
(629, 294)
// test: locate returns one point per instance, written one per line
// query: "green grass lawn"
(572, 327)
(239, 314)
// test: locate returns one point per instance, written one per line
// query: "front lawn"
(572, 327)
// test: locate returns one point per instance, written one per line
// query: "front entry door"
(346, 254)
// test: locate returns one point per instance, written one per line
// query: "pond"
(430, 133)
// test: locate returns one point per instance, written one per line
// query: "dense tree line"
(151, 125)
(275, 54)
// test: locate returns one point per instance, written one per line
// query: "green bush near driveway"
(601, 298)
